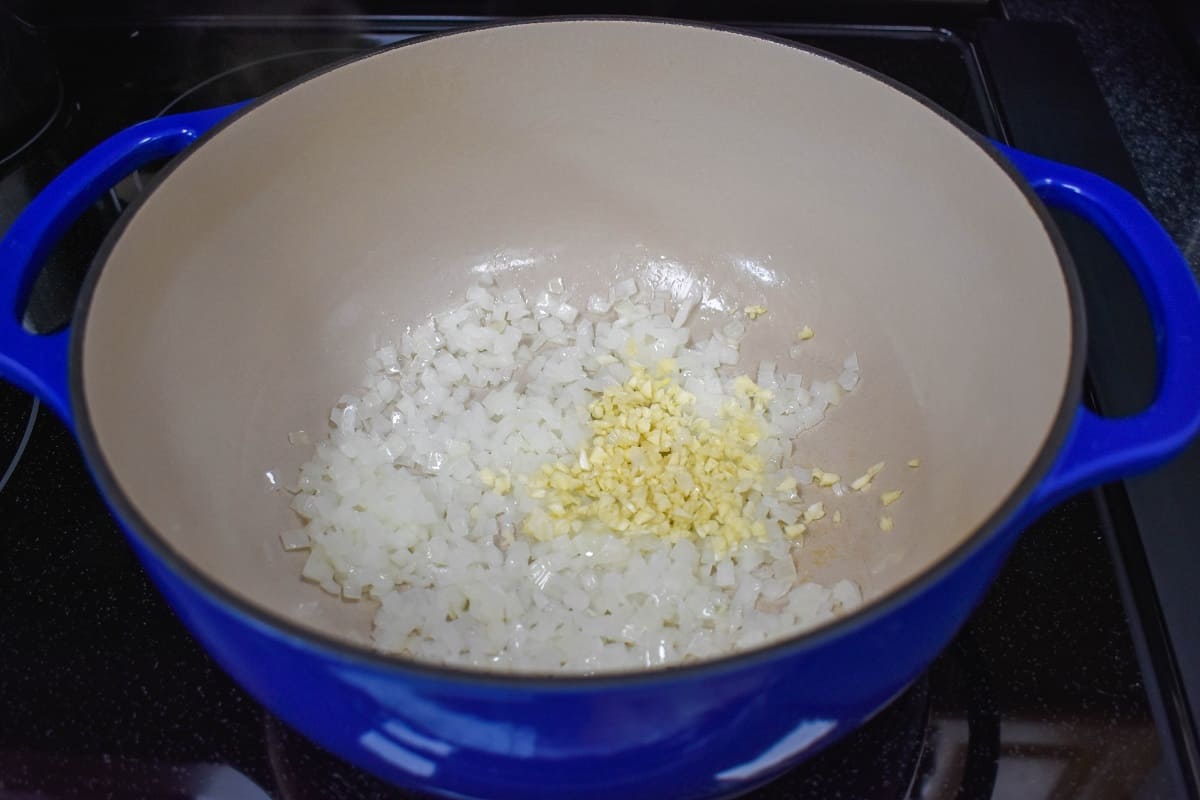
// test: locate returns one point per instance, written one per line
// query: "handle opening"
(1122, 355)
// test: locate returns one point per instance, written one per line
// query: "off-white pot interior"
(244, 295)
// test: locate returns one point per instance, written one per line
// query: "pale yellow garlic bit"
(756, 311)
(827, 479)
(887, 498)
(499, 482)
(837, 517)
(863, 482)
(814, 512)
(805, 333)
(914, 463)
(885, 523)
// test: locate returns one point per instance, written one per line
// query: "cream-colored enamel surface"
(244, 295)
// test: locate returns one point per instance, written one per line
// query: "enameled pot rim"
(277, 625)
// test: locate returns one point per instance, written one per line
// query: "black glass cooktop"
(1050, 691)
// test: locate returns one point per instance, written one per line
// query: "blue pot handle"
(38, 363)
(1096, 449)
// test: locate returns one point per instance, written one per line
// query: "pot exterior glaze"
(709, 733)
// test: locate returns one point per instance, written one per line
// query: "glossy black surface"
(103, 693)
(29, 89)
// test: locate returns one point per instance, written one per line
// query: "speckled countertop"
(1152, 94)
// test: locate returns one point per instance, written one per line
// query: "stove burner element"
(243, 82)
(251, 80)
(303, 771)
(17, 415)
(30, 91)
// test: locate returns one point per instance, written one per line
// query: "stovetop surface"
(103, 693)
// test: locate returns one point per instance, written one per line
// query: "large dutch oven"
(236, 301)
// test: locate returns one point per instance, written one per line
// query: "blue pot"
(710, 729)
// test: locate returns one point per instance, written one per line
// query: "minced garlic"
(864, 481)
(654, 466)
(826, 479)
(754, 312)
(499, 482)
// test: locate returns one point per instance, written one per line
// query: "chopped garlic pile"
(654, 466)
